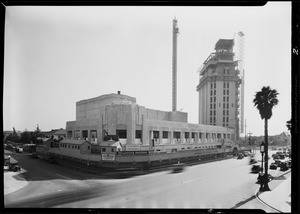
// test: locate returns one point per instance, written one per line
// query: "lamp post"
(260, 175)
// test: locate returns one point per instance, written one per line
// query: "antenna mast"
(174, 65)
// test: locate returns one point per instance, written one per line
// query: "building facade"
(117, 117)
(219, 88)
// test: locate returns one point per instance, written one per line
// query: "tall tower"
(174, 65)
(219, 86)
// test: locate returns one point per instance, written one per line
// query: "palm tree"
(264, 101)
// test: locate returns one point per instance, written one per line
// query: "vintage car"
(14, 167)
(33, 156)
(273, 166)
(240, 156)
(284, 166)
(255, 169)
(179, 167)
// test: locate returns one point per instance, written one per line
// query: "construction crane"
(174, 65)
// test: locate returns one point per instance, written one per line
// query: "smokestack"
(119, 92)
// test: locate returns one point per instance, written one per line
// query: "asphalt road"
(220, 184)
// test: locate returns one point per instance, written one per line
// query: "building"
(117, 117)
(219, 88)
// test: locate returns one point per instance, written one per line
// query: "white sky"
(56, 56)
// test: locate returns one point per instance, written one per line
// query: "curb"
(257, 193)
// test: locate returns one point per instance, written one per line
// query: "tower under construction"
(221, 92)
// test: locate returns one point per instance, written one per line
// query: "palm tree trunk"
(266, 186)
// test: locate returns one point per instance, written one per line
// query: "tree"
(25, 137)
(264, 101)
(289, 125)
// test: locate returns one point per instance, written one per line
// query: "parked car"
(260, 176)
(277, 162)
(33, 156)
(52, 160)
(284, 166)
(14, 167)
(273, 166)
(240, 156)
(255, 169)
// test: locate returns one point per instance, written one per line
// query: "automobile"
(277, 162)
(33, 156)
(289, 163)
(52, 160)
(252, 161)
(260, 176)
(255, 169)
(281, 156)
(240, 156)
(275, 156)
(178, 167)
(14, 167)
(273, 166)
(246, 153)
(284, 166)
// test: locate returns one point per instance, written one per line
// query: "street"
(220, 184)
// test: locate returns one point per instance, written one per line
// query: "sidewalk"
(278, 198)
(13, 182)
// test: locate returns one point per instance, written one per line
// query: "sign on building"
(133, 147)
(108, 157)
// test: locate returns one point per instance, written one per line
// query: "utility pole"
(174, 65)
(245, 131)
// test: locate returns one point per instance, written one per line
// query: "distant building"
(219, 88)
(55, 134)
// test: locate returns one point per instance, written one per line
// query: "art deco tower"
(220, 88)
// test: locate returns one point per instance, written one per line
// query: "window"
(88, 147)
(112, 149)
(224, 85)
(210, 120)
(211, 93)
(223, 99)
(227, 112)
(69, 146)
(72, 146)
(223, 92)
(215, 84)
(219, 105)
(165, 135)
(227, 119)
(223, 105)
(214, 92)
(214, 112)
(227, 99)
(224, 71)
(231, 104)
(223, 112)
(103, 149)
(211, 99)
(223, 119)
(214, 99)
(211, 85)
(210, 113)
(228, 85)
(214, 106)
(214, 120)
(211, 105)
(227, 92)
(227, 105)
